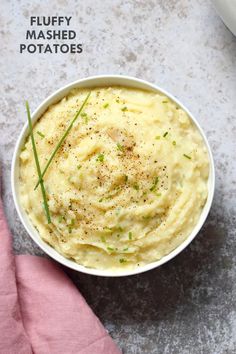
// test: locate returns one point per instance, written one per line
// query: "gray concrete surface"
(189, 305)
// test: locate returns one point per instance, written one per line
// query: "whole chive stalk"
(45, 203)
(61, 141)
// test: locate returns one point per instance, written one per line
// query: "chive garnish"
(79, 167)
(174, 142)
(154, 184)
(40, 176)
(100, 157)
(187, 157)
(124, 109)
(103, 239)
(60, 218)
(130, 235)
(100, 200)
(41, 134)
(106, 105)
(125, 249)
(122, 260)
(158, 137)
(61, 141)
(164, 101)
(136, 186)
(85, 116)
(126, 178)
(165, 134)
(120, 147)
(110, 248)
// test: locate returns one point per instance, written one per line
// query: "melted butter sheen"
(127, 186)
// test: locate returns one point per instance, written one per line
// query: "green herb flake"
(103, 239)
(158, 137)
(125, 249)
(79, 167)
(124, 109)
(60, 219)
(130, 235)
(136, 186)
(146, 217)
(100, 200)
(118, 235)
(70, 229)
(165, 101)
(126, 178)
(106, 105)
(110, 248)
(122, 260)
(165, 134)
(23, 148)
(100, 157)
(40, 134)
(187, 156)
(117, 100)
(174, 142)
(120, 147)
(154, 184)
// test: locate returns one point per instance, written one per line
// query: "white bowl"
(227, 11)
(104, 80)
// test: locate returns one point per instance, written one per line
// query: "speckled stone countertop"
(187, 306)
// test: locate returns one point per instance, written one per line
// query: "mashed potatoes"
(127, 186)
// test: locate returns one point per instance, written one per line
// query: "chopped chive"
(187, 156)
(124, 109)
(118, 236)
(125, 249)
(85, 116)
(119, 228)
(23, 148)
(126, 178)
(136, 186)
(79, 167)
(61, 141)
(40, 176)
(130, 235)
(110, 248)
(158, 137)
(60, 219)
(100, 200)
(106, 105)
(154, 184)
(122, 260)
(165, 134)
(164, 101)
(70, 229)
(146, 217)
(100, 157)
(158, 194)
(72, 222)
(41, 134)
(120, 147)
(174, 142)
(118, 101)
(103, 239)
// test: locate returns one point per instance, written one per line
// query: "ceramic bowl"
(105, 80)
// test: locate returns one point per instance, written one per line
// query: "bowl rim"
(56, 96)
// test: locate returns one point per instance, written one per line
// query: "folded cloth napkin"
(41, 311)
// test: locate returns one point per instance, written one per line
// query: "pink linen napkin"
(41, 311)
